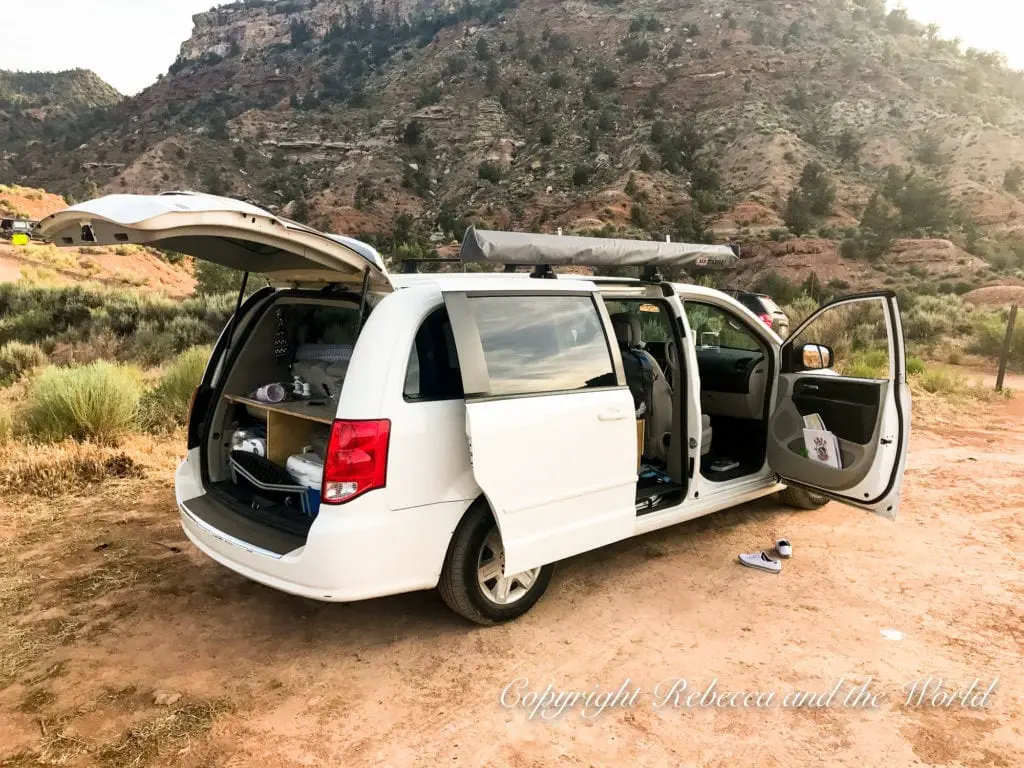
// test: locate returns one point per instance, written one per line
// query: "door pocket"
(850, 421)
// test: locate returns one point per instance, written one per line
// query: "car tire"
(802, 498)
(473, 548)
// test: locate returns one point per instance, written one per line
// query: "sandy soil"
(140, 269)
(106, 607)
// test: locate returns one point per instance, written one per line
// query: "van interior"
(643, 331)
(734, 366)
(271, 424)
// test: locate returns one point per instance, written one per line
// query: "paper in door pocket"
(823, 447)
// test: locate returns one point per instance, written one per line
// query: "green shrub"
(166, 405)
(97, 402)
(489, 171)
(869, 364)
(150, 328)
(915, 366)
(938, 381)
(17, 359)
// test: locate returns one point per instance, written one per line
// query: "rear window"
(541, 344)
(433, 372)
(769, 306)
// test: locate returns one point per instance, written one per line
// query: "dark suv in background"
(764, 307)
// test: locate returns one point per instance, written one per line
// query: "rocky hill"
(747, 120)
(41, 105)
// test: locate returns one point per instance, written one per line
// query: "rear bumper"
(353, 552)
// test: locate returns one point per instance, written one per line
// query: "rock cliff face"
(732, 119)
(254, 26)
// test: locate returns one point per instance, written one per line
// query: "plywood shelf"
(289, 425)
(301, 409)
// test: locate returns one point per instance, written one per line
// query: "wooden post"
(1007, 344)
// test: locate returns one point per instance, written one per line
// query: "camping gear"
(525, 248)
(271, 393)
(761, 562)
(322, 367)
(784, 548)
(267, 476)
(250, 440)
(308, 471)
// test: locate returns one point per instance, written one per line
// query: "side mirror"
(815, 357)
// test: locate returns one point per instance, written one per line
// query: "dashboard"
(732, 382)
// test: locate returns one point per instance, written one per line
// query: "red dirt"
(996, 296)
(139, 269)
(33, 203)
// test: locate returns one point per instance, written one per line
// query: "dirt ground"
(121, 645)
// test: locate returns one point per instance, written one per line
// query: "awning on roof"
(528, 249)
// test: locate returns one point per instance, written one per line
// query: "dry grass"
(151, 740)
(121, 568)
(20, 647)
(59, 468)
(36, 700)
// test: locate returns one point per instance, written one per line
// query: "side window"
(433, 372)
(858, 336)
(713, 327)
(538, 344)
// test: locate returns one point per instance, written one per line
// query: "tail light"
(357, 459)
(766, 319)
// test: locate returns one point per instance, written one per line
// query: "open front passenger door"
(551, 423)
(864, 403)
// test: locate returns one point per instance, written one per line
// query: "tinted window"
(433, 372)
(536, 344)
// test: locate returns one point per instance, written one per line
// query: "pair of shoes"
(762, 562)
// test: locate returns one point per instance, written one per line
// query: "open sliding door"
(550, 421)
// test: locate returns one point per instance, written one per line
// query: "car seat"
(651, 392)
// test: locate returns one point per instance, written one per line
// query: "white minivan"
(359, 434)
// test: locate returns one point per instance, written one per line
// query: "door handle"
(614, 416)
(809, 388)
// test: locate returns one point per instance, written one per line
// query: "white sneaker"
(761, 562)
(784, 548)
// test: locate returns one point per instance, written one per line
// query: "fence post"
(1007, 343)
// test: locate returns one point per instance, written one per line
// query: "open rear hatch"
(307, 334)
(228, 232)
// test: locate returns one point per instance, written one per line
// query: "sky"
(129, 42)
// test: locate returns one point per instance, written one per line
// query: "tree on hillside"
(878, 227)
(213, 278)
(798, 213)
(849, 146)
(1014, 178)
(924, 204)
(817, 188)
(929, 150)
